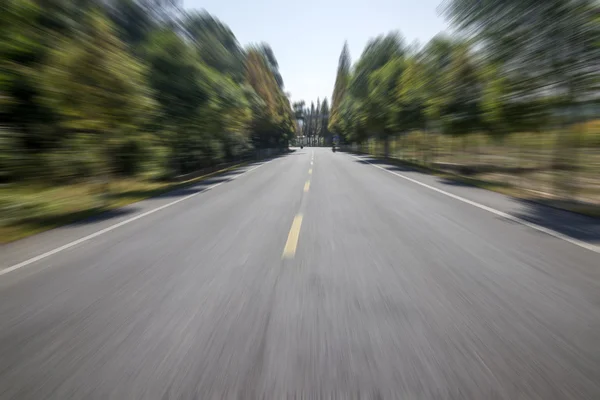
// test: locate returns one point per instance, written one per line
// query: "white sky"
(307, 36)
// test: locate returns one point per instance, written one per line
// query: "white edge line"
(118, 225)
(502, 214)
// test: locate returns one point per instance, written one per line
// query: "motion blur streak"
(449, 271)
(394, 291)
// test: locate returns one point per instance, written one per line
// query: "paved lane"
(388, 290)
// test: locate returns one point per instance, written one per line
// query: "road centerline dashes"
(289, 251)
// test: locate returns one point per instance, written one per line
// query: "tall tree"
(552, 42)
(377, 53)
(549, 46)
(317, 119)
(96, 88)
(311, 124)
(325, 134)
(339, 89)
(273, 123)
(373, 83)
(381, 106)
(269, 55)
(216, 44)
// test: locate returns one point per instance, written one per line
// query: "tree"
(267, 52)
(176, 77)
(90, 85)
(311, 123)
(273, 123)
(216, 45)
(132, 20)
(462, 111)
(317, 121)
(325, 134)
(551, 40)
(339, 89)
(549, 47)
(411, 94)
(437, 59)
(377, 53)
(298, 107)
(381, 106)
(96, 89)
(372, 82)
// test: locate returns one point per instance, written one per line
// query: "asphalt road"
(359, 284)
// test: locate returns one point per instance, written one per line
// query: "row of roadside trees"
(313, 123)
(106, 87)
(513, 66)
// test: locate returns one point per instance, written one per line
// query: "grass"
(558, 168)
(27, 209)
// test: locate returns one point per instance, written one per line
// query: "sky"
(307, 36)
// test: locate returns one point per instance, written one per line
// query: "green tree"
(437, 61)
(273, 123)
(216, 44)
(177, 79)
(339, 90)
(412, 95)
(269, 55)
(550, 47)
(381, 106)
(372, 85)
(325, 133)
(462, 111)
(96, 89)
(377, 53)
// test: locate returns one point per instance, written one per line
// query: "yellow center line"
(310, 171)
(289, 251)
(306, 186)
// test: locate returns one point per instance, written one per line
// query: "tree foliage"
(514, 65)
(273, 122)
(82, 82)
(340, 89)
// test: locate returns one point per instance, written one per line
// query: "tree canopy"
(118, 75)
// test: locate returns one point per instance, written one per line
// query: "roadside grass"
(557, 168)
(505, 187)
(27, 209)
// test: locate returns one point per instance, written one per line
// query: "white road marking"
(118, 225)
(502, 214)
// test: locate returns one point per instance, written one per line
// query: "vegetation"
(517, 73)
(94, 92)
(313, 123)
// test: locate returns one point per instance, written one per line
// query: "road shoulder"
(576, 226)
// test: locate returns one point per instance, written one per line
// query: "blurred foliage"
(314, 125)
(513, 66)
(339, 89)
(93, 88)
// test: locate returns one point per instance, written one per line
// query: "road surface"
(313, 275)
